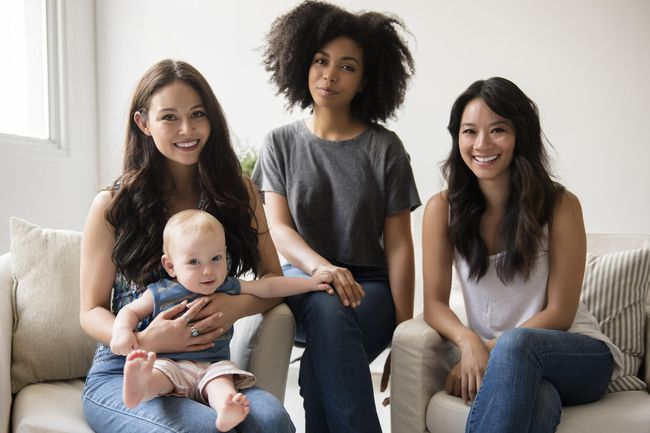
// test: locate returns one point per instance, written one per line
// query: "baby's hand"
(321, 281)
(123, 342)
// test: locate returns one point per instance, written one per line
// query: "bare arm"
(274, 287)
(97, 272)
(294, 248)
(398, 247)
(124, 339)
(567, 255)
(289, 242)
(437, 256)
(437, 260)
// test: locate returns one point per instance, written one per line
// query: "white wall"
(585, 63)
(54, 188)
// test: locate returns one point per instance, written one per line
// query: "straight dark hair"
(533, 192)
(138, 211)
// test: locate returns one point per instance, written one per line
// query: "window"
(29, 87)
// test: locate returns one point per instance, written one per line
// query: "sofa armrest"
(6, 328)
(420, 360)
(262, 344)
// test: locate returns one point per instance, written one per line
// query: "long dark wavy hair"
(138, 210)
(533, 192)
(296, 36)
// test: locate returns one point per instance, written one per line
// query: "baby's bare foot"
(232, 412)
(137, 374)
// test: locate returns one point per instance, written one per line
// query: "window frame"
(55, 144)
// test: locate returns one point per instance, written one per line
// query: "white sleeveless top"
(494, 307)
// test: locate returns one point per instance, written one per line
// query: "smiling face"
(197, 259)
(486, 141)
(177, 122)
(336, 74)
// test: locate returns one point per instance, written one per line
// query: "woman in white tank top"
(518, 242)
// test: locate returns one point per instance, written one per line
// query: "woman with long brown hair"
(178, 156)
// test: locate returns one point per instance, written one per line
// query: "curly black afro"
(296, 36)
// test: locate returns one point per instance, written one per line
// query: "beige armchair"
(262, 344)
(421, 359)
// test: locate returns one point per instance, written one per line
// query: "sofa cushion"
(621, 412)
(52, 407)
(615, 289)
(48, 343)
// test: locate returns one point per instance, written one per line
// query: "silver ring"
(195, 331)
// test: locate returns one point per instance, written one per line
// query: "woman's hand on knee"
(464, 379)
(463, 384)
(453, 381)
(348, 290)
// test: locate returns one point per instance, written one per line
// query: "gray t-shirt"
(339, 192)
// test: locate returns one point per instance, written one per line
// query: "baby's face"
(200, 261)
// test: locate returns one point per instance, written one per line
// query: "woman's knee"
(517, 340)
(267, 414)
(105, 412)
(516, 347)
(322, 309)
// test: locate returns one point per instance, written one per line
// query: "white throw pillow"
(615, 289)
(48, 342)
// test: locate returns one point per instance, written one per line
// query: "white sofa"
(421, 359)
(262, 344)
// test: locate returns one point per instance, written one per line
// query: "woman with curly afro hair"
(339, 190)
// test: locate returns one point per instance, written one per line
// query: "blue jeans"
(105, 412)
(340, 342)
(531, 373)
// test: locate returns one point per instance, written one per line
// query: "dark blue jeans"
(340, 342)
(531, 373)
(105, 411)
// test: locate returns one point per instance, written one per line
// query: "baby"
(194, 255)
